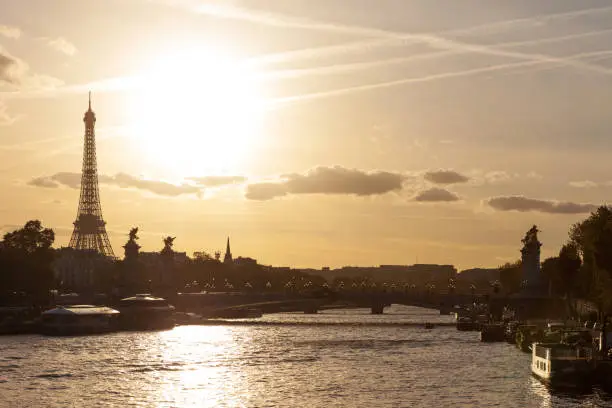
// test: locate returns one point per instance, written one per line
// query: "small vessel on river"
(563, 365)
(467, 324)
(79, 319)
(145, 312)
(493, 332)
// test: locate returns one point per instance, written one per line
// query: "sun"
(197, 112)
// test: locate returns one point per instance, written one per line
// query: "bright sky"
(313, 132)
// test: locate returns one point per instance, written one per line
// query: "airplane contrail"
(279, 102)
(433, 40)
(594, 55)
(124, 83)
(356, 46)
(339, 68)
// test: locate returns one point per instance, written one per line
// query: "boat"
(510, 332)
(467, 324)
(79, 319)
(493, 332)
(145, 312)
(526, 335)
(562, 365)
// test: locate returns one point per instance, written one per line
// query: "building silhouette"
(228, 259)
(89, 228)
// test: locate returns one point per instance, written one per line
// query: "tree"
(30, 239)
(569, 264)
(592, 239)
(25, 261)
(511, 276)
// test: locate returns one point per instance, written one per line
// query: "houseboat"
(526, 335)
(561, 365)
(79, 319)
(467, 324)
(145, 312)
(494, 332)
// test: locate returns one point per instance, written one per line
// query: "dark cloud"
(72, 180)
(157, 187)
(436, 195)
(265, 191)
(122, 180)
(524, 204)
(8, 68)
(216, 181)
(445, 177)
(328, 180)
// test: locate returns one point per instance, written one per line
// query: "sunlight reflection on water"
(281, 365)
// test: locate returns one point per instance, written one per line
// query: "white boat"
(562, 365)
(79, 319)
(146, 312)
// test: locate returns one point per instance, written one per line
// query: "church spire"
(90, 101)
(227, 259)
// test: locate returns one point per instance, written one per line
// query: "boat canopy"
(80, 310)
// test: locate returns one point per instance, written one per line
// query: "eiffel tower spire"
(89, 228)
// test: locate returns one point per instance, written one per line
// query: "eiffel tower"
(89, 228)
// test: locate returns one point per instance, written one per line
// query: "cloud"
(10, 32)
(46, 182)
(328, 180)
(72, 180)
(497, 176)
(524, 204)
(62, 45)
(9, 68)
(157, 187)
(445, 177)
(216, 181)
(583, 184)
(265, 191)
(16, 73)
(436, 194)
(121, 180)
(534, 176)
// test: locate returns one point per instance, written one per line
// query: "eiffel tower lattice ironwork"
(89, 228)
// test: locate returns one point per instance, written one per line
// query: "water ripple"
(351, 359)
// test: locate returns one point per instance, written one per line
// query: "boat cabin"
(79, 319)
(146, 312)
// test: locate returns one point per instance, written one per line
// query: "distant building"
(76, 269)
(245, 261)
(417, 274)
(156, 259)
(479, 275)
(158, 267)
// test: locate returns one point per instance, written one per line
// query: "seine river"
(345, 358)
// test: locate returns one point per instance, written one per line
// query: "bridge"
(213, 304)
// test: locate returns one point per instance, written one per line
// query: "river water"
(343, 358)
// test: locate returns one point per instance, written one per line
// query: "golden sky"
(314, 133)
